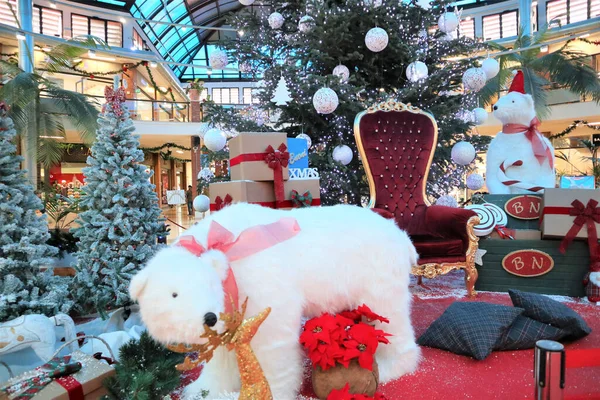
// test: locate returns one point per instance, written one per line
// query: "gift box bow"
(277, 160)
(587, 215)
(301, 200)
(221, 203)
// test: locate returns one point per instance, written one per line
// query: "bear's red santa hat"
(518, 83)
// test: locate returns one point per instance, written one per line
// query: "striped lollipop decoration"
(499, 214)
(487, 221)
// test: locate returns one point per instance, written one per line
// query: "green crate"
(566, 278)
(513, 223)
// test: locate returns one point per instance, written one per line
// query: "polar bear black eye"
(210, 319)
(174, 295)
(513, 101)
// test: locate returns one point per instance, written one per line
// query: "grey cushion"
(545, 310)
(470, 328)
(524, 332)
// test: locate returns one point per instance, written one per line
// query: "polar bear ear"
(529, 100)
(219, 262)
(138, 283)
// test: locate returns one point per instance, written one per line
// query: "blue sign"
(577, 182)
(298, 149)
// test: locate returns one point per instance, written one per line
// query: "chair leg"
(471, 275)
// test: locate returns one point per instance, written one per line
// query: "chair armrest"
(384, 213)
(448, 221)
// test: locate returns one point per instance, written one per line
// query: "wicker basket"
(362, 381)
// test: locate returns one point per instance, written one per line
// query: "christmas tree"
(282, 94)
(24, 288)
(118, 231)
(370, 44)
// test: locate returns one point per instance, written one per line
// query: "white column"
(28, 139)
(525, 17)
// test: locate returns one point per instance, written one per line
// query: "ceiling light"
(544, 49)
(20, 35)
(91, 54)
(122, 20)
(594, 123)
(162, 88)
(179, 151)
(468, 18)
(153, 64)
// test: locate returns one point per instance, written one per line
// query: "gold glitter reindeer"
(237, 336)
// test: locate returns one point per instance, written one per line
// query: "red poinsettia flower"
(354, 315)
(361, 344)
(326, 355)
(382, 336)
(370, 315)
(344, 324)
(317, 330)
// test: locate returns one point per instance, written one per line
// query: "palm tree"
(40, 108)
(565, 67)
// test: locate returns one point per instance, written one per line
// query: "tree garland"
(572, 127)
(167, 145)
(93, 74)
(169, 91)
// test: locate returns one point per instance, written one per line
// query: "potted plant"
(342, 351)
(195, 88)
(60, 210)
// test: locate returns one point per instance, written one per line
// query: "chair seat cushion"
(429, 246)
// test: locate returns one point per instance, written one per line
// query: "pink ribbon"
(249, 242)
(540, 148)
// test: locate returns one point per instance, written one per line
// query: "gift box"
(224, 193)
(259, 157)
(568, 213)
(84, 384)
(301, 193)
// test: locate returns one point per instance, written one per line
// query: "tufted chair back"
(396, 143)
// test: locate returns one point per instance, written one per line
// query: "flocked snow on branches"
(24, 289)
(118, 232)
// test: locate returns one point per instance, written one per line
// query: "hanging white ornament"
(201, 203)
(246, 2)
(343, 72)
(474, 79)
(282, 94)
(325, 101)
(342, 154)
(306, 24)
(218, 59)
(463, 153)
(215, 140)
(206, 174)
(305, 137)
(424, 4)
(376, 39)
(447, 201)
(275, 20)
(448, 22)
(491, 67)
(474, 181)
(416, 71)
(204, 127)
(480, 115)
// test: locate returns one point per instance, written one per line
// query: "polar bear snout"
(210, 319)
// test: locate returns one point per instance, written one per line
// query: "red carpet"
(503, 375)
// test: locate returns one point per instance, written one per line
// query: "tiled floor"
(178, 220)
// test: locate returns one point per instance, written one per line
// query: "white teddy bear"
(336, 259)
(519, 159)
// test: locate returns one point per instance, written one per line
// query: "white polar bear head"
(515, 108)
(179, 292)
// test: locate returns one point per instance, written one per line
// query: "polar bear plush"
(341, 257)
(519, 159)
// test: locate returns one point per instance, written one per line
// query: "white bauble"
(446, 201)
(325, 101)
(342, 154)
(416, 71)
(448, 22)
(376, 39)
(306, 24)
(201, 203)
(491, 67)
(424, 4)
(275, 20)
(215, 140)
(343, 72)
(246, 2)
(305, 137)
(204, 127)
(474, 79)
(474, 181)
(218, 59)
(206, 174)
(480, 115)
(463, 153)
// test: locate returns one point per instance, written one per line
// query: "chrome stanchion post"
(549, 370)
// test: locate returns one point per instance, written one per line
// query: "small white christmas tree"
(282, 94)
(118, 231)
(24, 289)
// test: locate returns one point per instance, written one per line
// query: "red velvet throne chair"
(396, 143)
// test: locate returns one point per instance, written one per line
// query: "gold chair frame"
(430, 270)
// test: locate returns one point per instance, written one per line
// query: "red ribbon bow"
(588, 215)
(249, 242)
(114, 96)
(220, 203)
(277, 160)
(540, 149)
